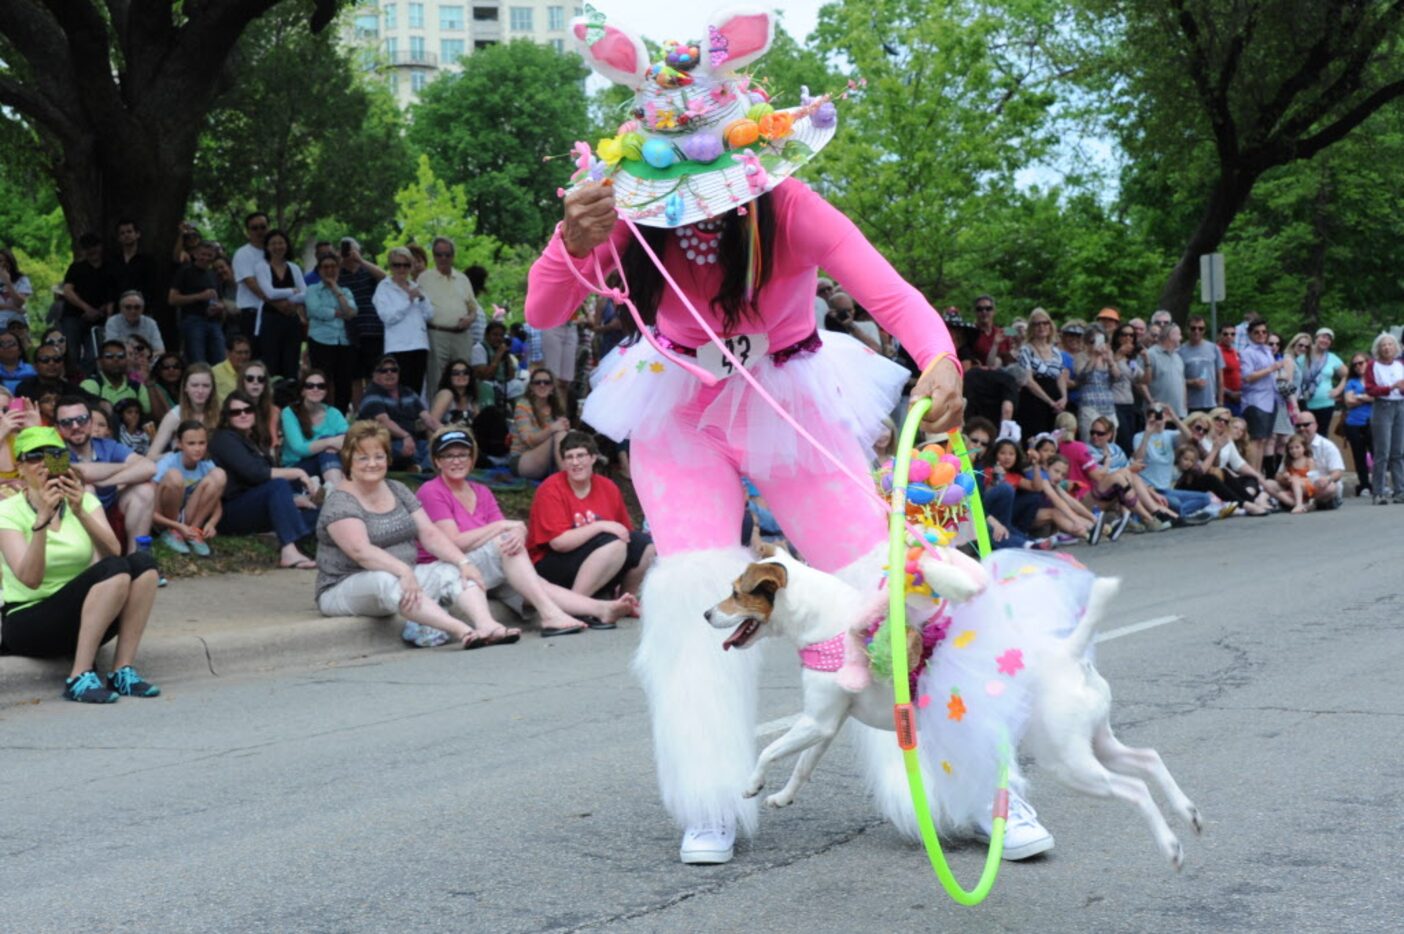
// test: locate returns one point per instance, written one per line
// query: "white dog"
(1068, 731)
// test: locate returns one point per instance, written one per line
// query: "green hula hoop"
(903, 711)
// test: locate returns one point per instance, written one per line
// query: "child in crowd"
(189, 492)
(130, 430)
(102, 428)
(1298, 473)
(1047, 474)
(1004, 462)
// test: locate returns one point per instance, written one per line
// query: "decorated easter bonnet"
(700, 140)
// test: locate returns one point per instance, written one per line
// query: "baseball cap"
(36, 437)
(450, 439)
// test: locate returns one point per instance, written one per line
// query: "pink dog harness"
(823, 656)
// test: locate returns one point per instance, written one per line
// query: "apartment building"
(415, 42)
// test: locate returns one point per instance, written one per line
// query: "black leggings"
(1230, 489)
(1362, 443)
(49, 628)
(561, 567)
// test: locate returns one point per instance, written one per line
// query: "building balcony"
(402, 58)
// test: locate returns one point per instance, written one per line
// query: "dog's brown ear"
(764, 579)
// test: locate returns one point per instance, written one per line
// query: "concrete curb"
(218, 651)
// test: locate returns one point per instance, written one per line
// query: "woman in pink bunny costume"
(704, 167)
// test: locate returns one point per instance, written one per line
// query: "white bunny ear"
(738, 37)
(615, 53)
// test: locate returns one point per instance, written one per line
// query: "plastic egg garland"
(741, 133)
(953, 496)
(919, 471)
(886, 482)
(919, 494)
(942, 474)
(659, 153)
(966, 482)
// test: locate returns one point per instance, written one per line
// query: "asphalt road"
(511, 789)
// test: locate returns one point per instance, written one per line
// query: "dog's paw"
(779, 800)
(753, 789)
(1177, 856)
(1196, 821)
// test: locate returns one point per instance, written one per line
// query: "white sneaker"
(708, 844)
(1024, 836)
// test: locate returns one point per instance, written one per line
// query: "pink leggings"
(689, 483)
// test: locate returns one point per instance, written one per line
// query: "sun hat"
(1111, 313)
(700, 140)
(36, 437)
(1327, 331)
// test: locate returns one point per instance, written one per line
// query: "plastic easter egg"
(919, 471)
(920, 494)
(659, 153)
(934, 449)
(966, 482)
(942, 474)
(890, 464)
(930, 459)
(952, 460)
(953, 496)
(886, 481)
(912, 567)
(741, 133)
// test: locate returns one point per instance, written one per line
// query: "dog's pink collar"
(823, 656)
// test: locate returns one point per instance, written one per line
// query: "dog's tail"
(1103, 590)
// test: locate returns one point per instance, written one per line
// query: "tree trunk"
(1225, 201)
(1316, 260)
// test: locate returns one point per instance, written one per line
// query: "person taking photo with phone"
(67, 586)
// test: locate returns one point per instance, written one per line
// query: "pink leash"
(620, 296)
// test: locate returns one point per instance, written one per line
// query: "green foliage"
(489, 128)
(301, 136)
(429, 208)
(957, 101)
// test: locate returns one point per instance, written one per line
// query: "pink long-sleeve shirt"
(811, 234)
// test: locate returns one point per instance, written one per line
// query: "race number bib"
(749, 349)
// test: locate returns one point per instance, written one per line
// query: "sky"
(660, 21)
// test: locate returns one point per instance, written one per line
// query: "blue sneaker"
(128, 683)
(87, 689)
(410, 633)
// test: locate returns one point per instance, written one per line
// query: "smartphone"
(1100, 340)
(17, 404)
(57, 464)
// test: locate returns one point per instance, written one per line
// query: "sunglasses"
(458, 373)
(114, 355)
(442, 255)
(75, 421)
(316, 385)
(55, 342)
(399, 265)
(47, 359)
(242, 410)
(1197, 327)
(254, 378)
(542, 382)
(387, 369)
(1199, 427)
(1099, 433)
(38, 454)
(1222, 421)
(984, 308)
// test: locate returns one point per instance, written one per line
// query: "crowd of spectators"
(244, 396)
(1098, 427)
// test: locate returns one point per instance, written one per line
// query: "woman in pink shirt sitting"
(468, 513)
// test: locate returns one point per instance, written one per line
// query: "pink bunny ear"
(614, 53)
(738, 37)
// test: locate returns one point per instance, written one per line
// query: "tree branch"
(1348, 121)
(1220, 117)
(35, 106)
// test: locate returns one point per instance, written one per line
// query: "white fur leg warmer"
(701, 698)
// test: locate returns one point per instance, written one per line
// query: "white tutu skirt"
(977, 685)
(839, 393)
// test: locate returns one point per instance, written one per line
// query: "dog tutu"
(975, 694)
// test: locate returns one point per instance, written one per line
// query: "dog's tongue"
(740, 634)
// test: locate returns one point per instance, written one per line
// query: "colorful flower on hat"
(776, 125)
(632, 145)
(610, 150)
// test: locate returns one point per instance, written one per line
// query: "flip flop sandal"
(549, 633)
(507, 638)
(473, 641)
(594, 622)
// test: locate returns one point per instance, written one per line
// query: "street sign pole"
(1211, 286)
